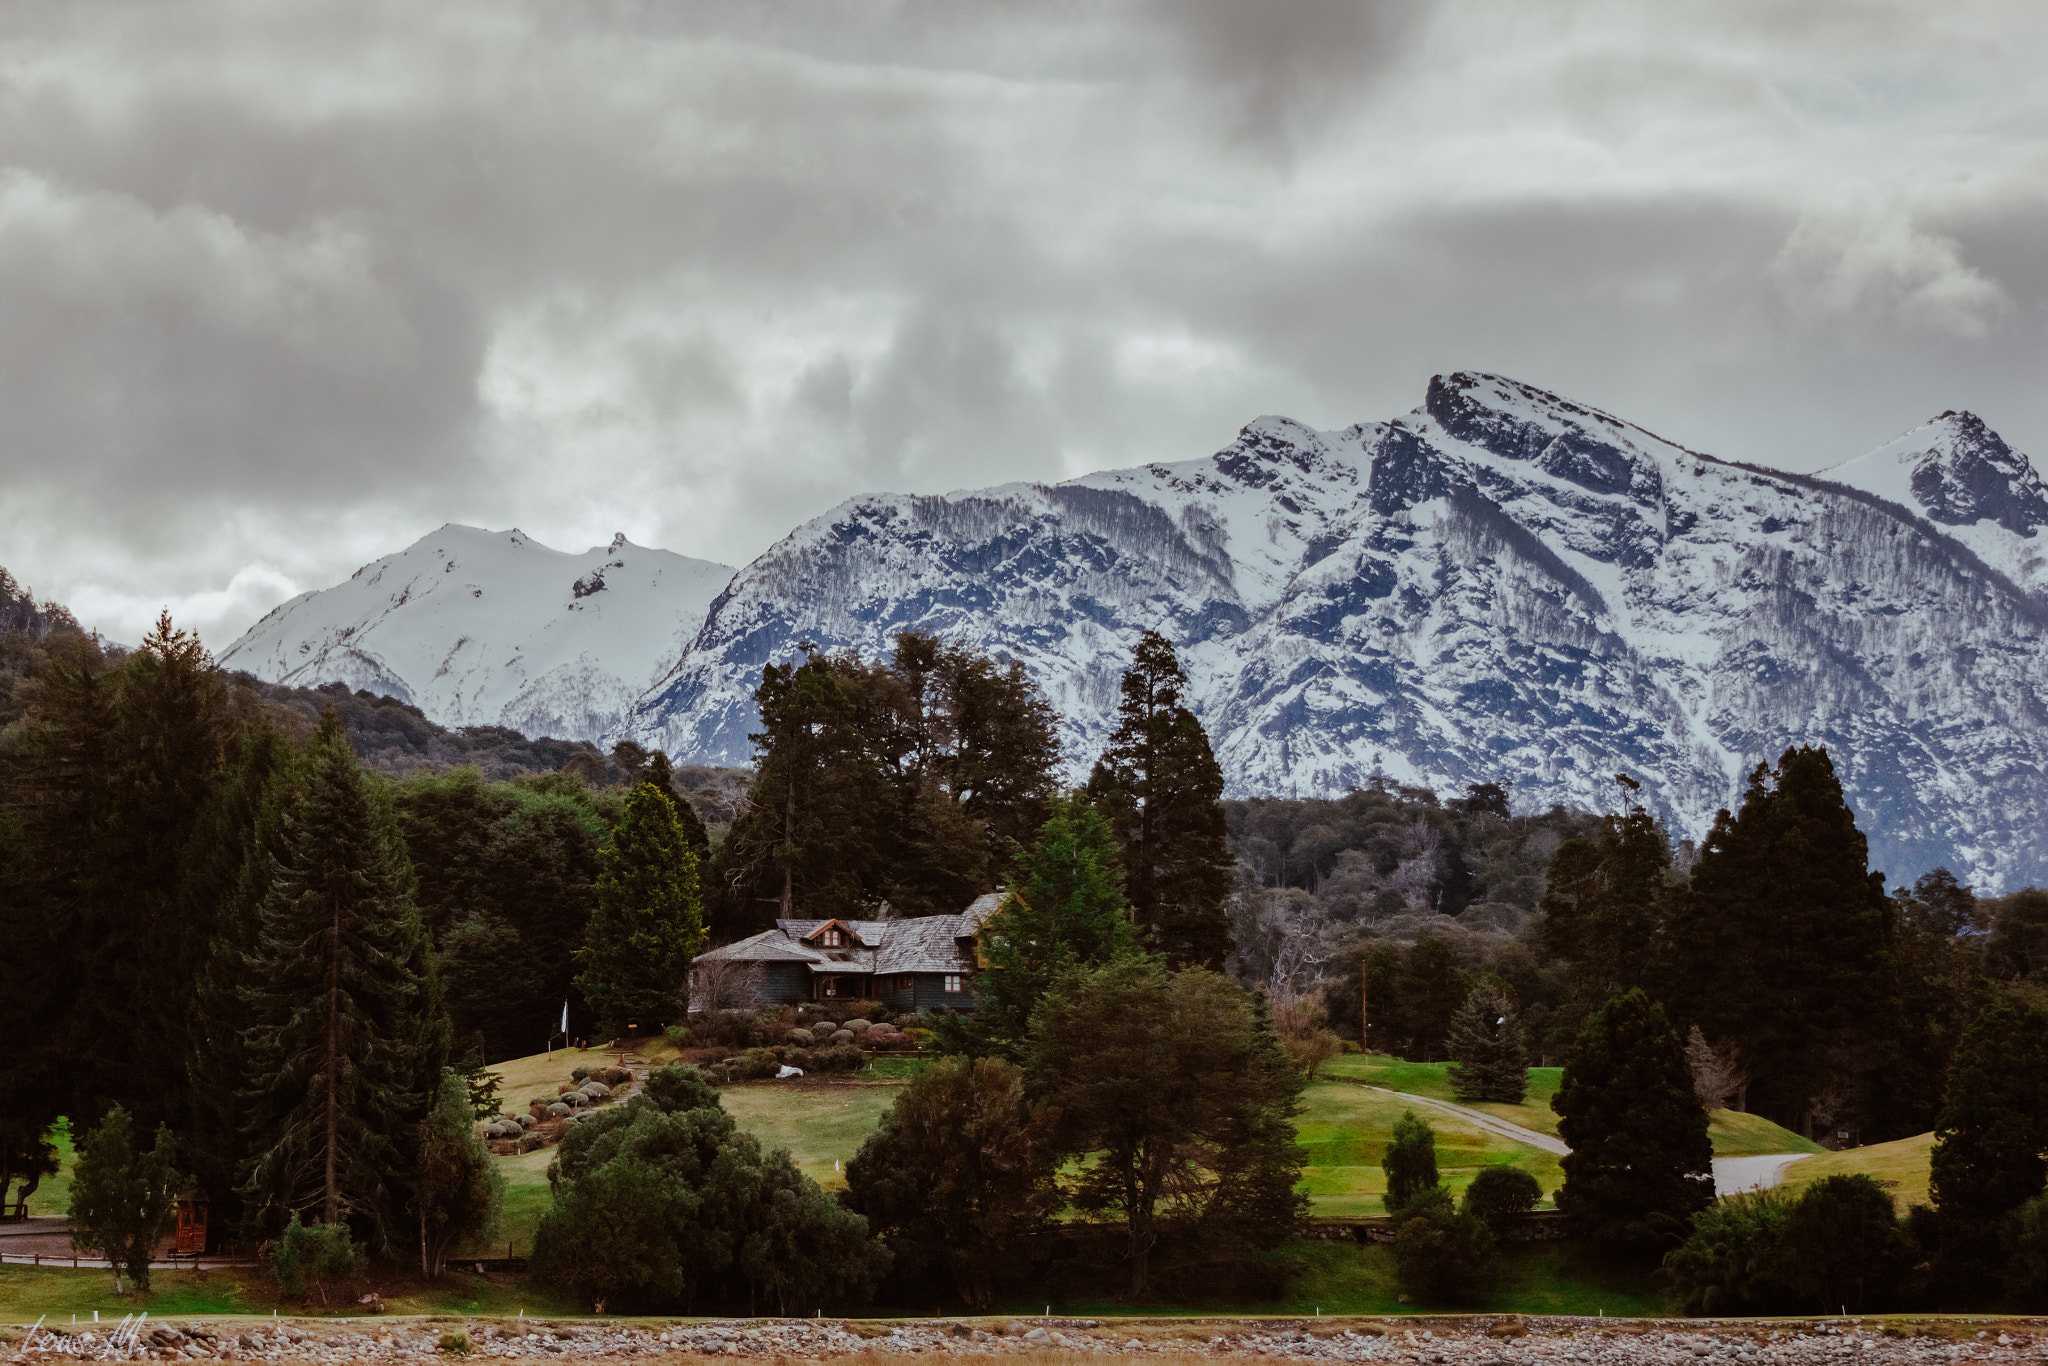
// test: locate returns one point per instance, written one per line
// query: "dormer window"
(830, 939)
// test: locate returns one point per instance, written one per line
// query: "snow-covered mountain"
(492, 628)
(1501, 584)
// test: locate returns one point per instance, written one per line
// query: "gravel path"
(1733, 1175)
(1481, 1341)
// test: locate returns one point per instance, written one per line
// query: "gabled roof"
(928, 943)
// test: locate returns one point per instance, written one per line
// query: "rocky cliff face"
(1499, 585)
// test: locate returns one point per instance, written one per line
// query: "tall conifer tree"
(1782, 946)
(1160, 785)
(649, 921)
(347, 1038)
(1640, 1164)
(1066, 910)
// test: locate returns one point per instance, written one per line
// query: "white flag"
(565, 1019)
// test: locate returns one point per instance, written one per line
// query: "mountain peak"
(1957, 471)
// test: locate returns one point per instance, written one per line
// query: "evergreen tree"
(347, 1037)
(1162, 790)
(1410, 1163)
(1782, 946)
(124, 1200)
(694, 834)
(805, 844)
(1605, 904)
(1640, 1164)
(1990, 1141)
(958, 1173)
(458, 1190)
(1175, 1092)
(1843, 1245)
(1067, 910)
(649, 921)
(1485, 1041)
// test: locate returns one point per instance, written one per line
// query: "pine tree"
(347, 1037)
(1067, 910)
(1605, 904)
(694, 834)
(1640, 1164)
(806, 843)
(1160, 785)
(1486, 1042)
(1990, 1141)
(459, 1190)
(649, 921)
(1410, 1163)
(1782, 945)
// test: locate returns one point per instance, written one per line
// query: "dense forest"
(189, 855)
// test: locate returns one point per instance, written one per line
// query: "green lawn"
(1736, 1134)
(1433, 1079)
(1345, 1129)
(819, 1126)
(53, 1196)
(27, 1293)
(1901, 1166)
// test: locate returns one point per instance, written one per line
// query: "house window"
(952, 981)
(831, 986)
(831, 939)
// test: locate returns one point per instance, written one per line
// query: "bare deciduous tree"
(1717, 1073)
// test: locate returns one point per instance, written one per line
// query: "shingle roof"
(930, 943)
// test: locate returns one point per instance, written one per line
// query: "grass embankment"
(1736, 1134)
(1901, 1166)
(1346, 1128)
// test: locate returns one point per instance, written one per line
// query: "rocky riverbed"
(1480, 1341)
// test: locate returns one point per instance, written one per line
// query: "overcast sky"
(283, 287)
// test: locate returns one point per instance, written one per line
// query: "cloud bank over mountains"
(284, 285)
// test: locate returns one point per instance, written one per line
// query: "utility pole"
(1364, 1005)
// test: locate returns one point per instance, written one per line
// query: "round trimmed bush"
(839, 1058)
(1502, 1194)
(558, 1111)
(843, 1037)
(859, 1025)
(802, 1037)
(616, 1076)
(597, 1090)
(531, 1143)
(579, 1074)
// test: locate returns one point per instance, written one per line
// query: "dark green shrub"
(2024, 1238)
(1501, 1195)
(1442, 1255)
(839, 1058)
(319, 1253)
(755, 1063)
(1410, 1163)
(578, 1075)
(1843, 1245)
(1732, 1261)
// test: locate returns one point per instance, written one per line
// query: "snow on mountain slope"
(1501, 584)
(482, 627)
(1958, 473)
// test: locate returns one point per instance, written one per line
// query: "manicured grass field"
(1433, 1079)
(1346, 1128)
(819, 1126)
(27, 1293)
(1905, 1161)
(53, 1195)
(1736, 1134)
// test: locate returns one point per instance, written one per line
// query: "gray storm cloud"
(283, 286)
